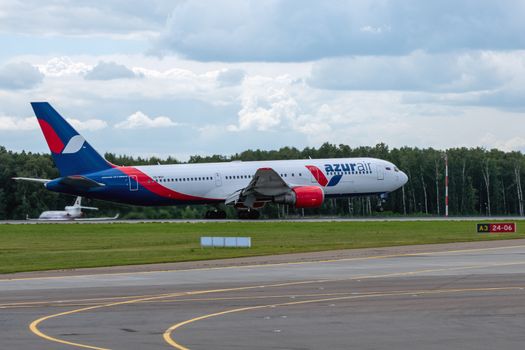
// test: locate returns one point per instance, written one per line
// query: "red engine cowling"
(308, 196)
(303, 197)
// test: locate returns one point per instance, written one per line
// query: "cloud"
(516, 143)
(63, 66)
(230, 77)
(90, 124)
(114, 18)
(17, 124)
(17, 76)
(23, 124)
(109, 71)
(285, 31)
(265, 104)
(417, 71)
(272, 106)
(141, 120)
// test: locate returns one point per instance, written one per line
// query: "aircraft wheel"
(254, 214)
(215, 214)
(251, 214)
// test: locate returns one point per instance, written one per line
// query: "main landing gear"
(250, 214)
(216, 214)
(243, 214)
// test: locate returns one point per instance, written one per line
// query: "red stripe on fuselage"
(154, 187)
(53, 140)
(318, 175)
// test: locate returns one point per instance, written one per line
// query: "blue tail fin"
(71, 153)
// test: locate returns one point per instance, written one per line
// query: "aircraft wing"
(31, 179)
(72, 180)
(265, 185)
(98, 219)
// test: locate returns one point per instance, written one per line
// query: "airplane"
(70, 212)
(248, 186)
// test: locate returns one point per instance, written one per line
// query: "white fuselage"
(219, 180)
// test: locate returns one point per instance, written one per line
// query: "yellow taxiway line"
(34, 326)
(168, 333)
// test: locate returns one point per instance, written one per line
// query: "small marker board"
(500, 227)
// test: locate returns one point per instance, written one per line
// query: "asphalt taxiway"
(468, 296)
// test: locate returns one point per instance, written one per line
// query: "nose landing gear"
(381, 199)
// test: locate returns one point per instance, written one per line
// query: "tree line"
(481, 182)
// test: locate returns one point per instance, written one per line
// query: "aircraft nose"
(403, 178)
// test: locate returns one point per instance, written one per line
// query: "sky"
(195, 77)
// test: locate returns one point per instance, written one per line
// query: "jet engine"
(302, 197)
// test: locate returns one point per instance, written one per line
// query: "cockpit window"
(388, 168)
(396, 169)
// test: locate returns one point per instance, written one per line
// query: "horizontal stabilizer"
(31, 179)
(89, 208)
(79, 181)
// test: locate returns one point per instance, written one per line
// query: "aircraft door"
(133, 183)
(218, 180)
(380, 172)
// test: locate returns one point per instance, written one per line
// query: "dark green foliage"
(425, 167)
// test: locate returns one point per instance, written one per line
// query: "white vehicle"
(302, 183)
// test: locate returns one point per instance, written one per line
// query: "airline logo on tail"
(74, 144)
(56, 145)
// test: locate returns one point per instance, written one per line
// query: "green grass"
(54, 246)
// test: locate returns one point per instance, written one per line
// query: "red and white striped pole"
(446, 185)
